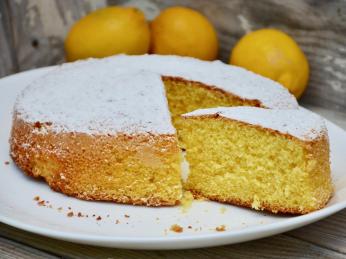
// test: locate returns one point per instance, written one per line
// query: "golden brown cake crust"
(273, 208)
(91, 167)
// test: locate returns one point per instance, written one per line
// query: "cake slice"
(99, 138)
(274, 160)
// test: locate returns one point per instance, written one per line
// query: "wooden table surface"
(323, 239)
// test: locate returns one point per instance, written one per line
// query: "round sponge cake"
(101, 129)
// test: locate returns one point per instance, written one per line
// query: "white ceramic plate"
(125, 226)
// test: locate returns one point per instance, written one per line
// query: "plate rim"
(174, 241)
(154, 242)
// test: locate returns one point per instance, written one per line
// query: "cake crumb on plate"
(176, 228)
(223, 210)
(41, 203)
(220, 228)
(186, 201)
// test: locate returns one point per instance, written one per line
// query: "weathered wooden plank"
(13, 250)
(39, 28)
(8, 61)
(280, 246)
(328, 233)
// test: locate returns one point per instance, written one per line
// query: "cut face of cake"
(109, 140)
(275, 160)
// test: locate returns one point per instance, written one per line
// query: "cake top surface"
(125, 93)
(233, 79)
(299, 123)
(88, 102)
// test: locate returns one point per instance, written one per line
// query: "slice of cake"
(99, 137)
(275, 160)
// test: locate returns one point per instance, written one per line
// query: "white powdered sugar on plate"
(94, 101)
(299, 123)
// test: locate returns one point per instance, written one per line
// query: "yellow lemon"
(108, 31)
(273, 54)
(184, 32)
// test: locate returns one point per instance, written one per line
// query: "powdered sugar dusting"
(299, 123)
(125, 93)
(233, 79)
(93, 100)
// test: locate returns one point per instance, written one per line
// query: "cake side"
(139, 169)
(248, 165)
(99, 136)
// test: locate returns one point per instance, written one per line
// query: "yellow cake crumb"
(176, 228)
(220, 228)
(223, 210)
(186, 201)
(256, 204)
